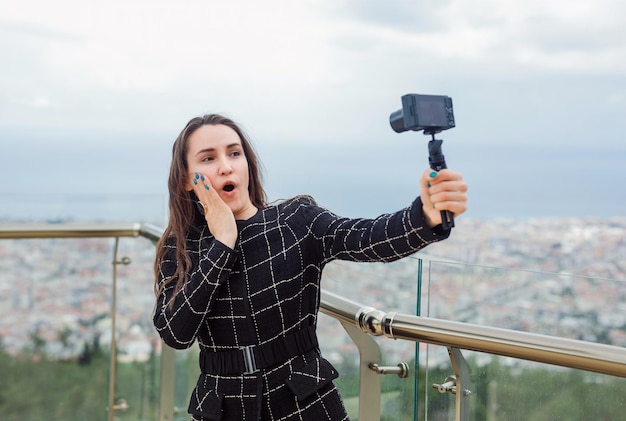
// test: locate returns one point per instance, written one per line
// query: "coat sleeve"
(178, 322)
(384, 239)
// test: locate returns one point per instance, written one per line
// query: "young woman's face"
(216, 152)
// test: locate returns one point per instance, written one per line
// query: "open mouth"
(229, 187)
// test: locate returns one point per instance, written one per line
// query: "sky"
(93, 94)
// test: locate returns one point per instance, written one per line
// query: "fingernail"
(428, 183)
(197, 176)
(202, 177)
(206, 187)
(433, 174)
(195, 181)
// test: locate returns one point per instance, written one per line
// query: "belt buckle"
(248, 359)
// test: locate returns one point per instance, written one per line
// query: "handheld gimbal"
(432, 114)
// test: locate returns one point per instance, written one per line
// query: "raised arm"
(178, 315)
(384, 239)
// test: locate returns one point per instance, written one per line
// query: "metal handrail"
(582, 355)
(80, 230)
(552, 350)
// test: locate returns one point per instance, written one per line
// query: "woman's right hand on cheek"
(218, 215)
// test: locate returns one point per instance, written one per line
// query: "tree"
(38, 343)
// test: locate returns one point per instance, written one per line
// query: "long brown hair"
(181, 201)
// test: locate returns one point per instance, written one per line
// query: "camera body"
(431, 113)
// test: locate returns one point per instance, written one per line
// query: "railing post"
(112, 407)
(461, 371)
(369, 380)
(166, 389)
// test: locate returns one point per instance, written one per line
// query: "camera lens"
(396, 119)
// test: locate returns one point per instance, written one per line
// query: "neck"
(246, 213)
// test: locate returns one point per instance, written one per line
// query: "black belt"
(252, 358)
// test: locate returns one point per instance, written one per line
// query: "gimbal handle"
(438, 162)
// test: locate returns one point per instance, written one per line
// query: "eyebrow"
(230, 146)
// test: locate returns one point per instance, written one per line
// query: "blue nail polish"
(433, 174)
(195, 181)
(202, 177)
(428, 183)
(206, 187)
(197, 176)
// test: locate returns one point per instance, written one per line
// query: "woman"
(243, 278)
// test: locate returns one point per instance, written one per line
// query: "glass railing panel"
(554, 304)
(186, 372)
(516, 390)
(389, 286)
(47, 286)
(55, 330)
(138, 345)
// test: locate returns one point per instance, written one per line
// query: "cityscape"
(559, 277)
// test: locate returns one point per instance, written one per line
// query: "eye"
(235, 153)
(207, 158)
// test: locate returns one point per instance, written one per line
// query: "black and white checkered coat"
(269, 287)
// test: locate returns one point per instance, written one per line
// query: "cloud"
(312, 75)
(238, 52)
(566, 36)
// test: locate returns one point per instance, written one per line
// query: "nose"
(225, 168)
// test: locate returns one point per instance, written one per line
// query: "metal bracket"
(402, 369)
(459, 381)
(448, 386)
(121, 405)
